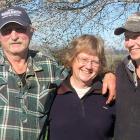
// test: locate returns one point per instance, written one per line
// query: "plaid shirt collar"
(32, 65)
(131, 69)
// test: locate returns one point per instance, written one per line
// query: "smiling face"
(86, 59)
(15, 39)
(85, 68)
(132, 43)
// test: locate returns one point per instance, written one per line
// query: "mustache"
(18, 42)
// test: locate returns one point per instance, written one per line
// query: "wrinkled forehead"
(89, 55)
(87, 49)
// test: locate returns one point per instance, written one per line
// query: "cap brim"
(119, 30)
(12, 21)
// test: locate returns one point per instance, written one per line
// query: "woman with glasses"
(79, 111)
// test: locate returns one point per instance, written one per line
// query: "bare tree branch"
(57, 23)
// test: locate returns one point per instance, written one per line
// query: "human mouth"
(134, 50)
(86, 72)
(15, 43)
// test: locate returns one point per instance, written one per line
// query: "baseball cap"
(132, 24)
(14, 14)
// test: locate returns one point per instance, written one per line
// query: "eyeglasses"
(85, 61)
(7, 30)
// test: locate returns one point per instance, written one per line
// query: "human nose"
(89, 64)
(14, 35)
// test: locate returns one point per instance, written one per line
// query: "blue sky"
(48, 25)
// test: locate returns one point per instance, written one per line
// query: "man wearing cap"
(128, 83)
(28, 80)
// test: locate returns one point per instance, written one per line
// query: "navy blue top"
(89, 118)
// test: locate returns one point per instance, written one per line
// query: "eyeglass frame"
(85, 61)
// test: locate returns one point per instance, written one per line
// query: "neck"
(18, 63)
(138, 63)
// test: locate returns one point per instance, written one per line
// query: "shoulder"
(123, 64)
(48, 65)
(43, 60)
(38, 56)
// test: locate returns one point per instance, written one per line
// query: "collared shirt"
(24, 109)
(131, 70)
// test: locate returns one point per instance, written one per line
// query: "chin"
(136, 58)
(87, 80)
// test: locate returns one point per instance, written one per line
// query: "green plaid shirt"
(24, 109)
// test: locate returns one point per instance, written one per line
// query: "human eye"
(6, 31)
(21, 30)
(84, 60)
(136, 36)
(95, 62)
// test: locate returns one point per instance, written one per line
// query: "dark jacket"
(89, 118)
(127, 102)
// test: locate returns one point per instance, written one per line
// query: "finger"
(114, 97)
(110, 99)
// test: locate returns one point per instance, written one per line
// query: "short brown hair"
(88, 44)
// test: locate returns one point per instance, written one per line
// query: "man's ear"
(31, 30)
(31, 34)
